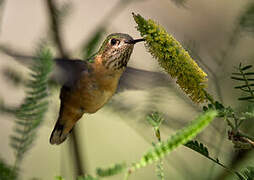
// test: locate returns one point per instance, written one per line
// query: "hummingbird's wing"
(137, 79)
(67, 71)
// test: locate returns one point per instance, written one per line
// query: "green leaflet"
(181, 137)
(113, 170)
(87, 177)
(31, 113)
(245, 75)
(198, 147)
(6, 171)
(247, 174)
(59, 178)
(155, 119)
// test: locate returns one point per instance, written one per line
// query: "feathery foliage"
(102, 172)
(111, 171)
(245, 75)
(198, 147)
(203, 150)
(234, 120)
(247, 174)
(31, 113)
(155, 119)
(173, 58)
(160, 170)
(59, 178)
(181, 137)
(6, 171)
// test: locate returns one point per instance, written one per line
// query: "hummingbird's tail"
(60, 132)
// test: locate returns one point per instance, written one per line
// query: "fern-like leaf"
(59, 178)
(155, 119)
(87, 177)
(244, 74)
(198, 147)
(111, 171)
(6, 171)
(181, 137)
(203, 150)
(31, 113)
(247, 174)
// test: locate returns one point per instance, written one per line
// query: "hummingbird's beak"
(134, 41)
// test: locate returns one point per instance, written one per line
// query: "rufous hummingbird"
(93, 82)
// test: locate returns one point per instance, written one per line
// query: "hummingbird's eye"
(113, 41)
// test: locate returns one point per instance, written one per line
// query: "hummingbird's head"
(116, 50)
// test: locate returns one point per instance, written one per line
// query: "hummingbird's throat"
(118, 60)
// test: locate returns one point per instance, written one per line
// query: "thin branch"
(2, 5)
(79, 165)
(55, 26)
(21, 57)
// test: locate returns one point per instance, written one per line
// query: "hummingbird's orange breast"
(95, 87)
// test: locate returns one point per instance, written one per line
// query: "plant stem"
(159, 167)
(77, 153)
(52, 9)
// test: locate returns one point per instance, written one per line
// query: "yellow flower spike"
(173, 59)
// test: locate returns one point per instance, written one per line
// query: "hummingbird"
(90, 84)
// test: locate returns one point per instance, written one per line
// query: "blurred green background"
(209, 30)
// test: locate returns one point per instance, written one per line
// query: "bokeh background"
(209, 30)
